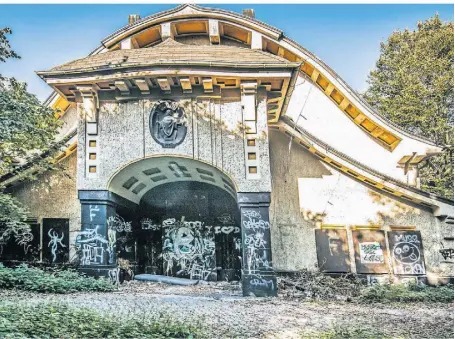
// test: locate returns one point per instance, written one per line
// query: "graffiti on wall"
(407, 253)
(54, 242)
(447, 253)
(118, 224)
(149, 224)
(371, 253)
(92, 246)
(255, 242)
(188, 249)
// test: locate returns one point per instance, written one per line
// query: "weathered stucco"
(322, 118)
(54, 195)
(307, 193)
(215, 135)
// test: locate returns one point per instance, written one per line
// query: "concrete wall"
(214, 135)
(54, 195)
(307, 193)
(322, 118)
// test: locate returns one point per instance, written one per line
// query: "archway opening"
(187, 225)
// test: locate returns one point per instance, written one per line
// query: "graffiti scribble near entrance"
(188, 249)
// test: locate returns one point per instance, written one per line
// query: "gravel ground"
(225, 313)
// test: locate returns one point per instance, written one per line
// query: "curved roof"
(294, 51)
(172, 52)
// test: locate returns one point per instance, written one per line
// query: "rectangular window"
(251, 156)
(92, 156)
(251, 142)
(92, 169)
(92, 143)
(252, 169)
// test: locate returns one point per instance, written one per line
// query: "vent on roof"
(249, 12)
(132, 18)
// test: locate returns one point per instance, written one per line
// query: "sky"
(346, 37)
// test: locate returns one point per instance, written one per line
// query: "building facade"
(206, 144)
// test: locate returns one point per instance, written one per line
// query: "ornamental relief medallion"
(167, 123)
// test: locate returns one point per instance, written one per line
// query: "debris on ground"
(314, 285)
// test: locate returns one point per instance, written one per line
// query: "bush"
(53, 320)
(410, 293)
(57, 281)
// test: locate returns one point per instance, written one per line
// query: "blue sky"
(346, 37)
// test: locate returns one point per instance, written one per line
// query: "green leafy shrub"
(57, 281)
(410, 293)
(54, 320)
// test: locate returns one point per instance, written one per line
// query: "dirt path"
(225, 313)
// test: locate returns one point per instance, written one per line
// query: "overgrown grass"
(53, 320)
(60, 281)
(410, 293)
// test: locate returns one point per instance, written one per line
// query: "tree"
(412, 85)
(27, 130)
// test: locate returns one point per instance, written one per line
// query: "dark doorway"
(186, 229)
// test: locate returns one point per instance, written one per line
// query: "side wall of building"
(54, 195)
(307, 193)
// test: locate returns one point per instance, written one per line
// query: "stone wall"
(307, 193)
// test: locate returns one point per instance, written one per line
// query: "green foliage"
(5, 49)
(60, 281)
(53, 320)
(410, 293)
(412, 85)
(27, 128)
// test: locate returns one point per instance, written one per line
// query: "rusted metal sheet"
(332, 250)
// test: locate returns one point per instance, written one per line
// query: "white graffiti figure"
(186, 247)
(148, 224)
(54, 241)
(255, 221)
(255, 240)
(407, 254)
(118, 224)
(92, 245)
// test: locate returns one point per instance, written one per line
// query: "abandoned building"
(205, 144)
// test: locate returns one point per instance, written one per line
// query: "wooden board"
(55, 240)
(407, 252)
(332, 250)
(370, 251)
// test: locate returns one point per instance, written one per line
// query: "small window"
(251, 142)
(251, 156)
(92, 143)
(252, 169)
(92, 169)
(92, 156)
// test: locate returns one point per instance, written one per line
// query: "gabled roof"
(173, 52)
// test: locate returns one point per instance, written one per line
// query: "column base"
(96, 271)
(259, 284)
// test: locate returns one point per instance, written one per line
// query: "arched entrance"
(179, 217)
(186, 229)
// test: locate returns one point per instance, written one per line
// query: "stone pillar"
(96, 243)
(258, 276)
